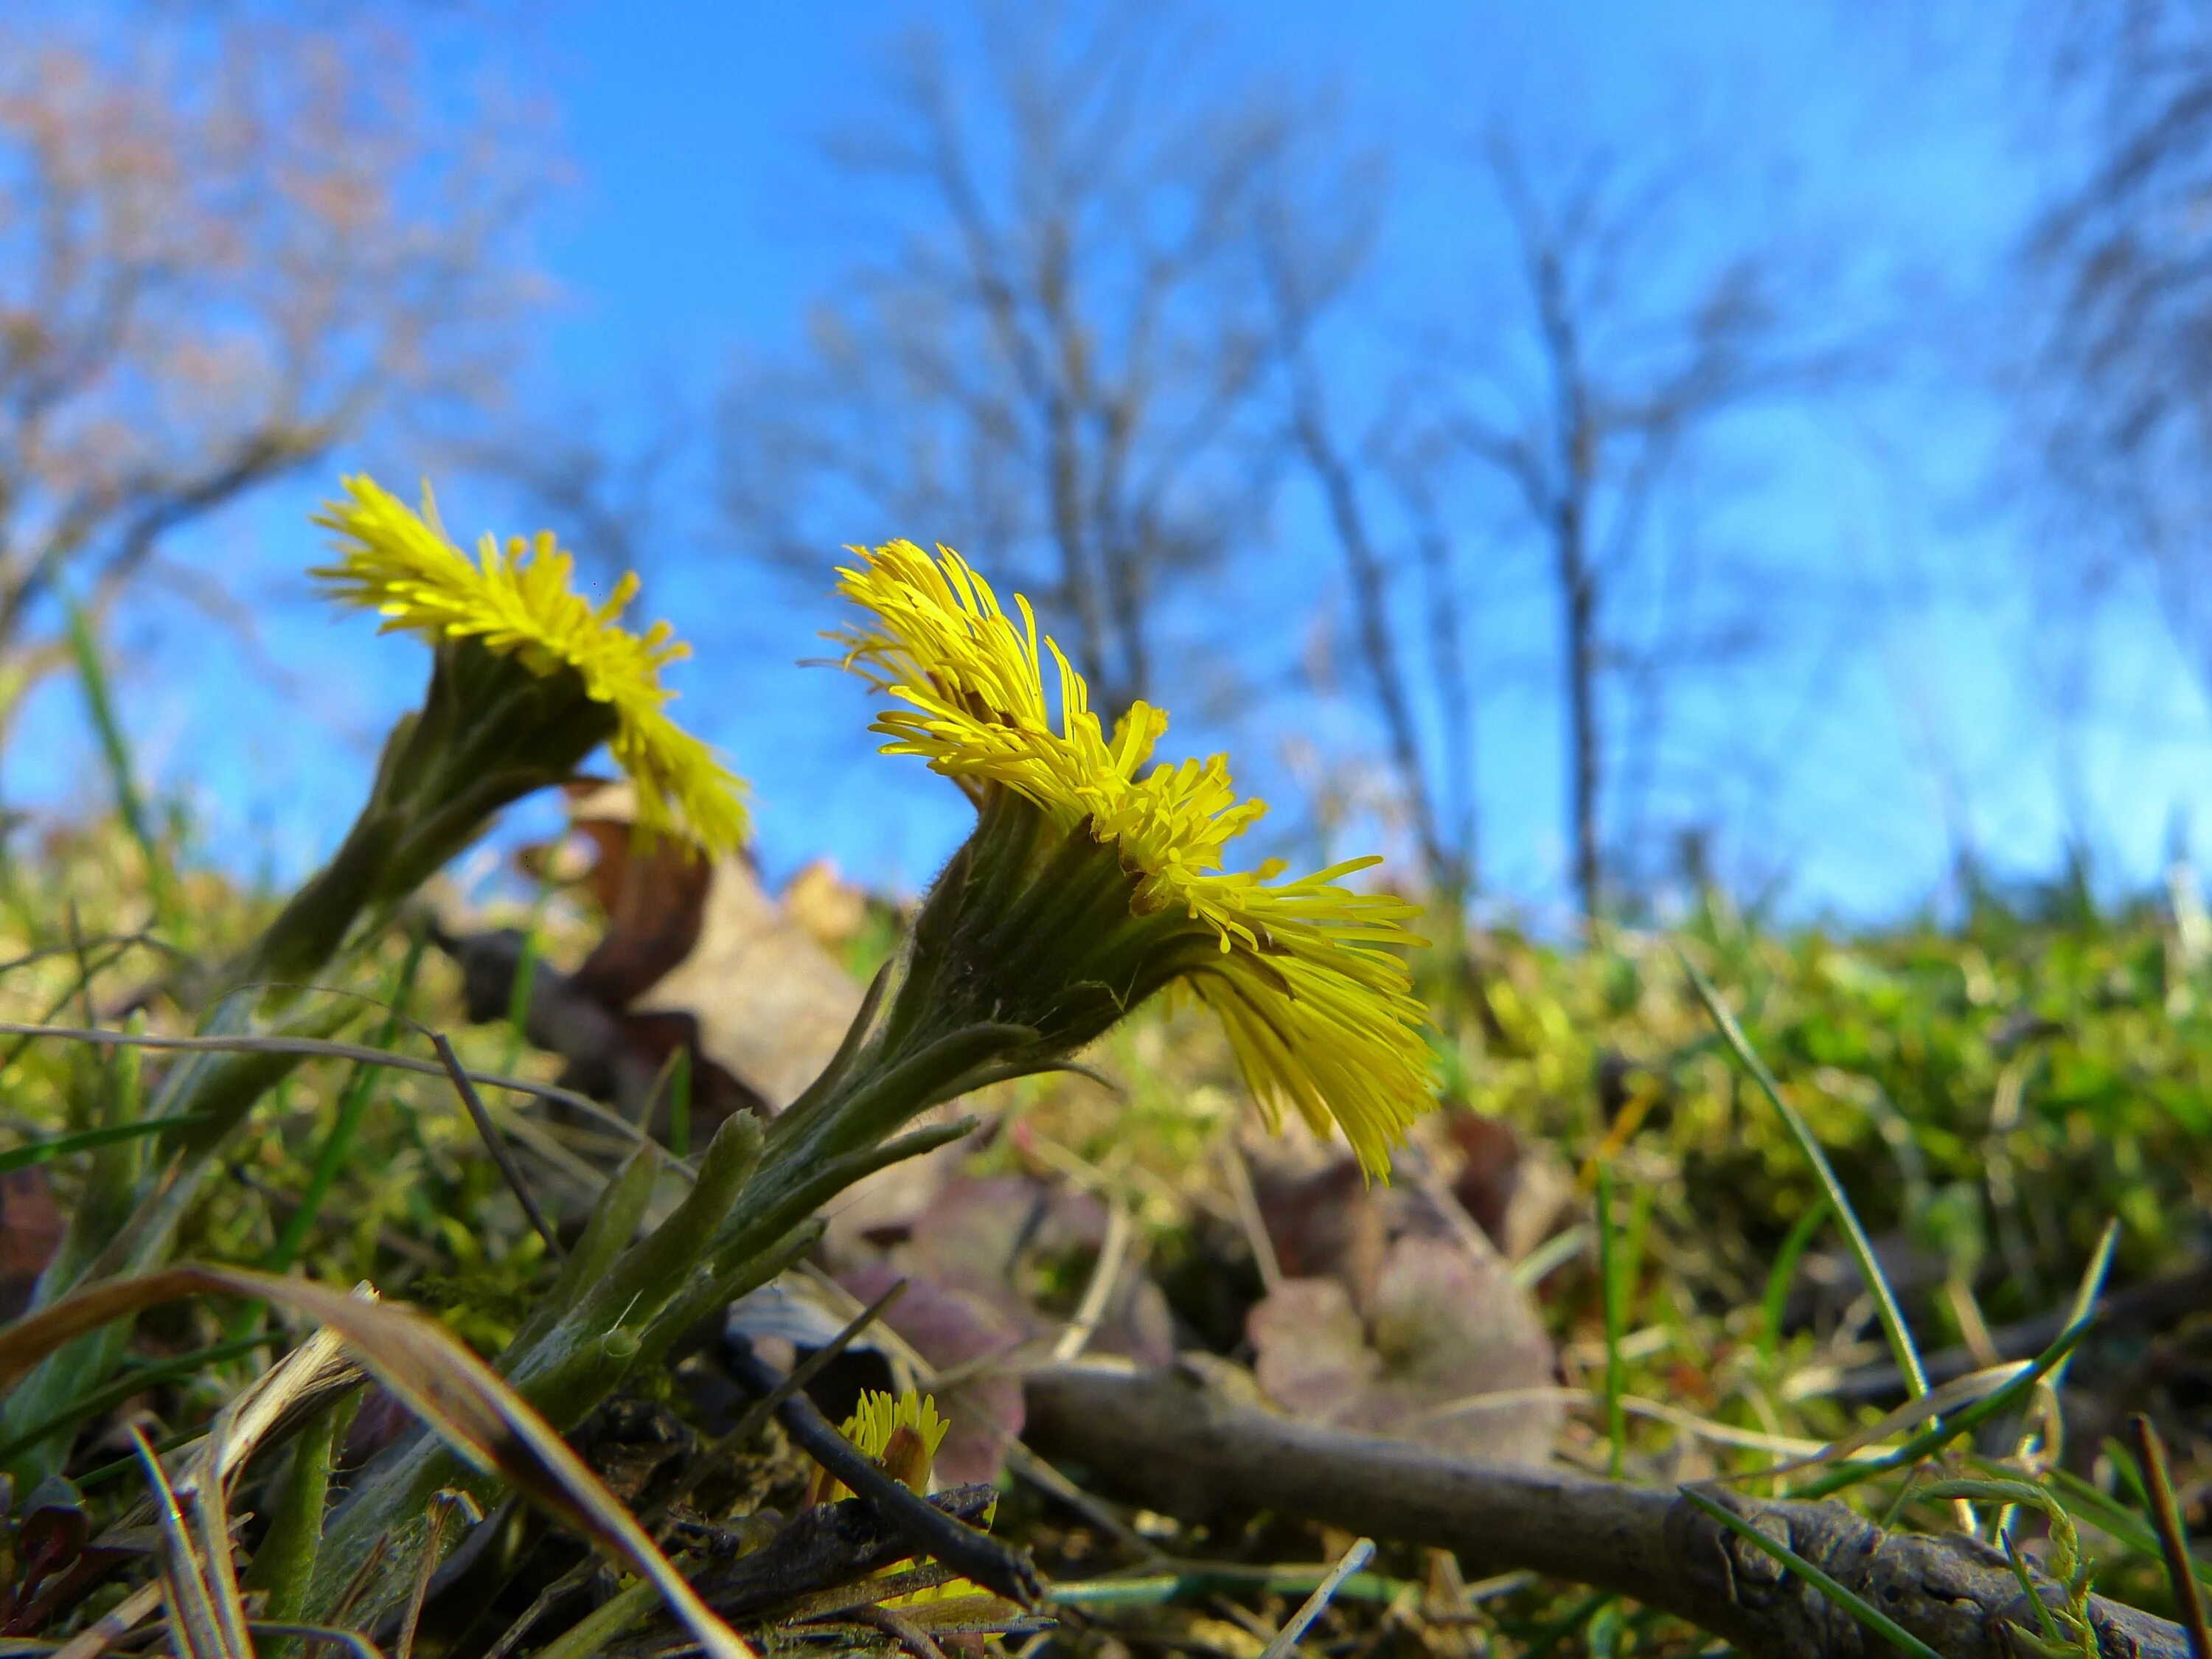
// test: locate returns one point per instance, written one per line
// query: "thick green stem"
(1027, 948)
(315, 920)
(284, 1564)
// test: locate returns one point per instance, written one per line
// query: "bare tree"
(225, 245)
(1302, 280)
(2120, 269)
(1590, 411)
(1059, 366)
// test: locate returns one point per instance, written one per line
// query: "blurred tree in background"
(2120, 267)
(1154, 328)
(1055, 354)
(228, 245)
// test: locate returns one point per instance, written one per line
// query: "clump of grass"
(1993, 1097)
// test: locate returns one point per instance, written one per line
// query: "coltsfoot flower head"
(901, 1432)
(517, 601)
(1303, 974)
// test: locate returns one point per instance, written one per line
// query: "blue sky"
(1887, 148)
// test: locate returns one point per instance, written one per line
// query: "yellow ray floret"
(878, 1416)
(1318, 1007)
(873, 1428)
(518, 601)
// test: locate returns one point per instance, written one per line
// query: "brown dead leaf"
(704, 941)
(771, 1004)
(1310, 1351)
(1324, 1222)
(30, 1229)
(1440, 1328)
(654, 903)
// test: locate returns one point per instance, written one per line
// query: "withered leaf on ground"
(1439, 1330)
(30, 1229)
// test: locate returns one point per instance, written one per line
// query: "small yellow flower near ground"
(517, 601)
(901, 1432)
(1304, 975)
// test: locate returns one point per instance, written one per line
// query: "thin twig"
(970, 1553)
(910, 1636)
(2173, 1541)
(1171, 1442)
(495, 1144)
(1020, 1460)
(702, 1467)
(1113, 1253)
(1361, 1553)
(98, 941)
(1248, 1214)
(758, 1412)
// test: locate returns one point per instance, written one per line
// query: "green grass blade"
(115, 751)
(1848, 1600)
(1784, 1275)
(2091, 1287)
(1862, 1248)
(45, 1152)
(1957, 1422)
(331, 1156)
(679, 1102)
(2050, 1632)
(135, 1381)
(2110, 1516)
(1610, 1295)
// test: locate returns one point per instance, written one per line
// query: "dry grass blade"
(204, 1622)
(1361, 1553)
(495, 1144)
(441, 1380)
(327, 1048)
(445, 1505)
(111, 1626)
(1959, 1391)
(1105, 1276)
(2172, 1538)
(305, 1380)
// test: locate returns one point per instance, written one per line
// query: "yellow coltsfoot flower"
(1093, 882)
(901, 1432)
(516, 601)
(527, 677)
